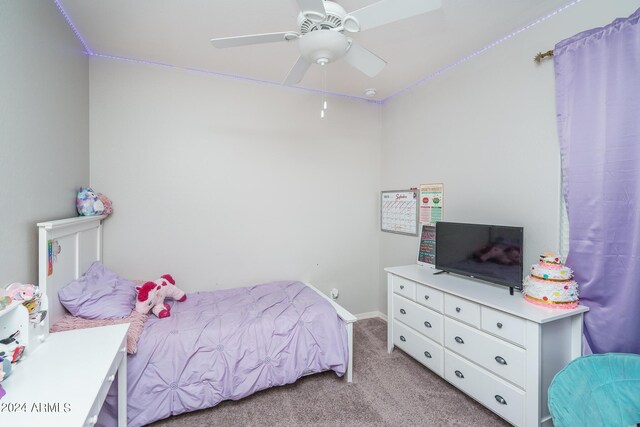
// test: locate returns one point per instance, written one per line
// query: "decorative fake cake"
(550, 283)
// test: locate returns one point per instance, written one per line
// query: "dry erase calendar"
(399, 212)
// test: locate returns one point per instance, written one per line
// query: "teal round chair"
(597, 390)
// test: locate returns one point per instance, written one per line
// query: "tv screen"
(487, 252)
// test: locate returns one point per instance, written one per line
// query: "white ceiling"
(177, 32)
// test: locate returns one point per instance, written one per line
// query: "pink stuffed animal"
(151, 296)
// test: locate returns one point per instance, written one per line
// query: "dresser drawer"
(430, 297)
(504, 325)
(500, 357)
(422, 319)
(462, 309)
(404, 287)
(420, 348)
(497, 395)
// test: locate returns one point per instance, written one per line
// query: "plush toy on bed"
(151, 296)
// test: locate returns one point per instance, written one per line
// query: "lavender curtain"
(598, 106)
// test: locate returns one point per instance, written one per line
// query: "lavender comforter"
(229, 344)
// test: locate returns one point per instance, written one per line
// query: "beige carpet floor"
(388, 390)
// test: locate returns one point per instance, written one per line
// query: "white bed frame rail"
(348, 319)
(80, 243)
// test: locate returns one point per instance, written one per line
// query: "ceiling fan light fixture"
(323, 46)
(321, 38)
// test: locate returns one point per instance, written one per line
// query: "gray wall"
(487, 130)
(225, 183)
(44, 128)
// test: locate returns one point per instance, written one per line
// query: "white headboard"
(80, 243)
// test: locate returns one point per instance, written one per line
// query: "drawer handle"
(459, 375)
(500, 399)
(427, 354)
(401, 286)
(111, 378)
(427, 324)
(499, 325)
(402, 310)
(500, 360)
(459, 340)
(92, 421)
(426, 297)
(458, 309)
(403, 339)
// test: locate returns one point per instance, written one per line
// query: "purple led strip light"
(237, 77)
(482, 50)
(87, 49)
(425, 79)
(90, 52)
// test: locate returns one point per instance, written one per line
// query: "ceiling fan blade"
(297, 72)
(313, 9)
(364, 60)
(388, 11)
(250, 39)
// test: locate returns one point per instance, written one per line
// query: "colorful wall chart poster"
(431, 203)
(399, 212)
(427, 245)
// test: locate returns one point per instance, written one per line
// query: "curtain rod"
(541, 55)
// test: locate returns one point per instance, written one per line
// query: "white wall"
(487, 129)
(44, 129)
(225, 183)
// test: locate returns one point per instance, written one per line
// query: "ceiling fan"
(321, 36)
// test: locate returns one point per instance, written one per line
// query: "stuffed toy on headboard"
(88, 202)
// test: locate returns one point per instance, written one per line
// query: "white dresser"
(497, 348)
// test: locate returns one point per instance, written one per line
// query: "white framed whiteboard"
(399, 212)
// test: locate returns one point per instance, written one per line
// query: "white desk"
(65, 381)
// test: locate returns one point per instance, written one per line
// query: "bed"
(215, 346)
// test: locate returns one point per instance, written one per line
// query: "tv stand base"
(440, 272)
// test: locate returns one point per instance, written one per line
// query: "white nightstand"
(65, 382)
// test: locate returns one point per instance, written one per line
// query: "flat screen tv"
(487, 252)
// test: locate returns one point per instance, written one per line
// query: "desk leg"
(350, 344)
(122, 391)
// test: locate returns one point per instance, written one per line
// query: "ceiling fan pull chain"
(324, 91)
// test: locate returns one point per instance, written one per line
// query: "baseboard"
(372, 315)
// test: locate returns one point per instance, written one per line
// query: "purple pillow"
(99, 294)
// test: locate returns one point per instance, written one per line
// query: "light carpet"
(388, 390)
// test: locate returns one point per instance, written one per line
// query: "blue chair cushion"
(597, 390)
